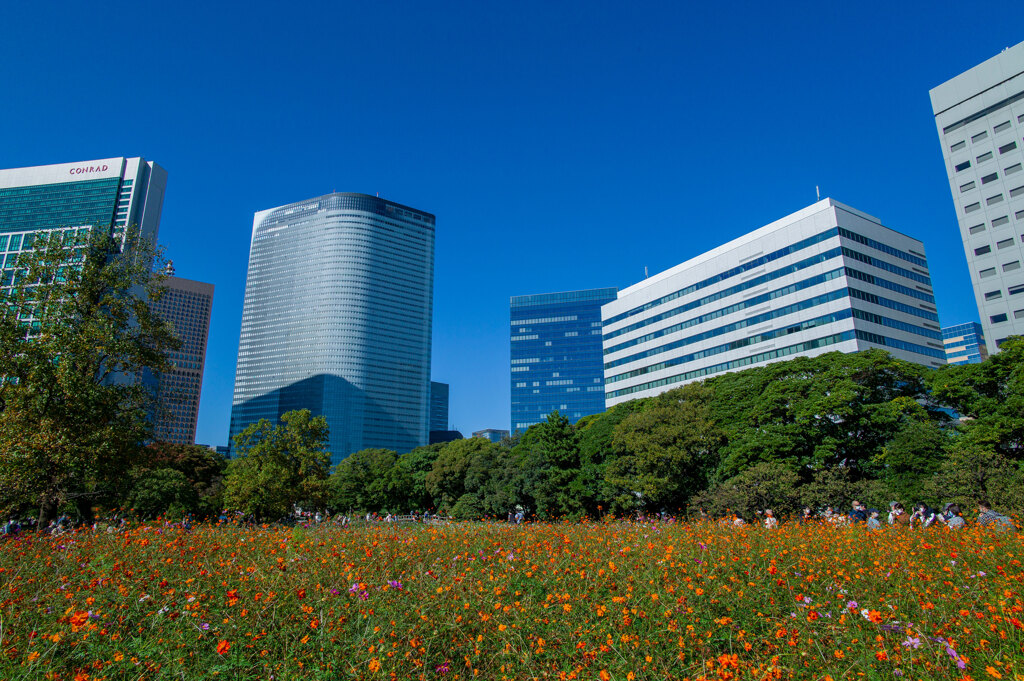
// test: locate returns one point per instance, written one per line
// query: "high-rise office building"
(187, 305)
(825, 278)
(337, 319)
(965, 343)
(438, 406)
(111, 193)
(492, 434)
(556, 355)
(980, 120)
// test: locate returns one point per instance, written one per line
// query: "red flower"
(302, 593)
(79, 618)
(223, 647)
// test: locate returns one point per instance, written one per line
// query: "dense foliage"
(814, 431)
(597, 601)
(75, 331)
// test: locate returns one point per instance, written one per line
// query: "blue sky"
(561, 145)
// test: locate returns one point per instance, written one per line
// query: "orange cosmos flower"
(223, 647)
(79, 618)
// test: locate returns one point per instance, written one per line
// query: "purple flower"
(395, 584)
(853, 605)
(703, 546)
(443, 668)
(364, 596)
(911, 642)
(205, 626)
(353, 589)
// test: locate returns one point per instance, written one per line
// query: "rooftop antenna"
(817, 191)
(645, 271)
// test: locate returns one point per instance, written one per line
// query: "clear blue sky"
(561, 145)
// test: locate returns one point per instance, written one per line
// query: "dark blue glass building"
(556, 355)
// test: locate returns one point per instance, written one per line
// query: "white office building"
(826, 278)
(980, 119)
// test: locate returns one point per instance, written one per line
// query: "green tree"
(75, 331)
(279, 466)
(670, 448)
(765, 485)
(370, 480)
(160, 469)
(991, 396)
(462, 467)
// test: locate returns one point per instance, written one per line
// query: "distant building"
(825, 278)
(556, 355)
(187, 305)
(439, 436)
(337, 319)
(980, 120)
(965, 343)
(438, 406)
(492, 434)
(110, 193)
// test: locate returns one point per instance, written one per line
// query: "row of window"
(998, 293)
(775, 255)
(991, 271)
(993, 200)
(987, 156)
(1002, 243)
(1001, 318)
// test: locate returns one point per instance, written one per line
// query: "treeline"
(814, 431)
(818, 431)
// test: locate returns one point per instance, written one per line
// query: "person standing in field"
(873, 522)
(899, 516)
(770, 521)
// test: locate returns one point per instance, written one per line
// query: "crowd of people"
(951, 517)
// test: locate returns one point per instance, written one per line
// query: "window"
(980, 136)
(1007, 147)
(993, 295)
(958, 146)
(1015, 168)
(982, 250)
(1016, 290)
(971, 208)
(998, 318)
(977, 229)
(3, 243)
(987, 156)
(987, 272)
(999, 222)
(967, 187)
(1019, 215)
(1011, 266)
(1018, 314)
(993, 199)
(962, 166)
(989, 178)
(1002, 126)
(15, 242)
(1005, 243)
(1017, 191)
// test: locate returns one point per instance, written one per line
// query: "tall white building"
(823, 279)
(980, 119)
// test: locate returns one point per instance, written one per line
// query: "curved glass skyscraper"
(337, 320)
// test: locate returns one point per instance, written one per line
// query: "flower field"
(493, 601)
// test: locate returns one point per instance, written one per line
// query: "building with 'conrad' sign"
(110, 193)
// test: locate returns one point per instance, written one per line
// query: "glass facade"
(556, 356)
(187, 306)
(438, 406)
(337, 319)
(108, 194)
(965, 343)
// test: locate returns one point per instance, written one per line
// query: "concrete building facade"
(826, 278)
(980, 120)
